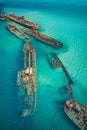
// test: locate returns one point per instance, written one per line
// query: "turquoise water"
(71, 29)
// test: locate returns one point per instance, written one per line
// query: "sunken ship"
(44, 38)
(55, 62)
(20, 20)
(18, 33)
(26, 80)
(77, 113)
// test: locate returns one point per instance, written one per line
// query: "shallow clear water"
(69, 28)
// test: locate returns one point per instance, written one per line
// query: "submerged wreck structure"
(44, 38)
(18, 32)
(20, 20)
(77, 113)
(56, 62)
(66, 92)
(26, 80)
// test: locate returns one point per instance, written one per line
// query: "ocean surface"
(69, 27)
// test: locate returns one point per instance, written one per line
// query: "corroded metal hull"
(56, 62)
(77, 113)
(45, 39)
(18, 32)
(20, 20)
(26, 80)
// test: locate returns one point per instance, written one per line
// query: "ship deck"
(56, 62)
(27, 81)
(78, 114)
(19, 33)
(45, 39)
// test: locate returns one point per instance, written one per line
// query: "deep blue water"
(68, 26)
